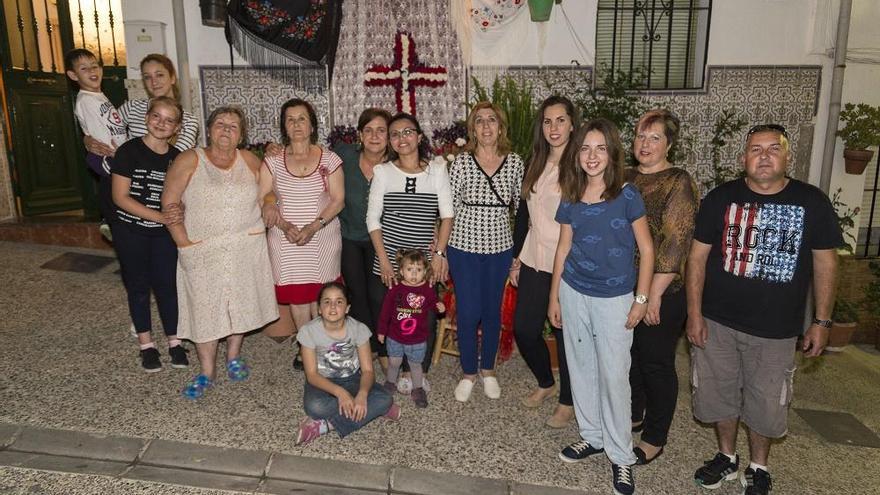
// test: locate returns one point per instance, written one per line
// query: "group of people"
(349, 245)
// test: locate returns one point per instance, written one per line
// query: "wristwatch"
(641, 299)
(440, 253)
(822, 323)
(322, 221)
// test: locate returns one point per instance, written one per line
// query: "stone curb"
(188, 464)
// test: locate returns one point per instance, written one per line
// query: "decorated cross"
(405, 74)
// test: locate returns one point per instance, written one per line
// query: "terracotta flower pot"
(855, 161)
(840, 335)
(539, 10)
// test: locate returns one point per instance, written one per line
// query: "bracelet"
(822, 323)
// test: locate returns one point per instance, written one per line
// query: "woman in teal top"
(357, 250)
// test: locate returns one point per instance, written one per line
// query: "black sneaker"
(178, 357)
(623, 480)
(716, 471)
(150, 360)
(756, 482)
(578, 451)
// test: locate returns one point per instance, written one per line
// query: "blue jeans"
(597, 348)
(318, 404)
(479, 285)
(415, 353)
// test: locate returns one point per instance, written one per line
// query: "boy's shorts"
(415, 353)
(739, 375)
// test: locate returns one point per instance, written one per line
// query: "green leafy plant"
(846, 220)
(845, 311)
(515, 99)
(861, 127)
(617, 98)
(727, 125)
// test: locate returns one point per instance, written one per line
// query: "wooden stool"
(447, 340)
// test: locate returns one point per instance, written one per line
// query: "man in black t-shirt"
(759, 243)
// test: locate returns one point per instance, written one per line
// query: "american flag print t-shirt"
(762, 241)
(760, 264)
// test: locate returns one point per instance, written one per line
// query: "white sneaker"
(425, 385)
(463, 390)
(404, 385)
(490, 387)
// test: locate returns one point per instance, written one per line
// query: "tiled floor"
(69, 362)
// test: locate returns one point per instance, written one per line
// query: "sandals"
(237, 370)
(195, 388)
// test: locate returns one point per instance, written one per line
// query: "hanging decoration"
(285, 32)
(405, 73)
(490, 30)
(366, 41)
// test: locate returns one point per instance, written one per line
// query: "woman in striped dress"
(407, 196)
(305, 247)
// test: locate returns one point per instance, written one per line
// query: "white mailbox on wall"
(141, 39)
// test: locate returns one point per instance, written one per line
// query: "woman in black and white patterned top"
(486, 182)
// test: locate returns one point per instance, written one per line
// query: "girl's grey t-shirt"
(336, 358)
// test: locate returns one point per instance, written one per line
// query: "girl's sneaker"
(393, 413)
(420, 397)
(178, 357)
(309, 429)
(195, 388)
(150, 360)
(237, 370)
(404, 385)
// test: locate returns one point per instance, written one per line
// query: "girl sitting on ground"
(340, 392)
(404, 326)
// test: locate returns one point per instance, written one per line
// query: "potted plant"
(861, 130)
(539, 10)
(845, 317)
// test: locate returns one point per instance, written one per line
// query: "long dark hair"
(573, 179)
(540, 147)
(424, 147)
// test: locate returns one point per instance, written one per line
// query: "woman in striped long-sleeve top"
(407, 196)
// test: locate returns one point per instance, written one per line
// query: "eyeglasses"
(768, 127)
(408, 132)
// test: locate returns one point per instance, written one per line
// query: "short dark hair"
(313, 119)
(72, 56)
(371, 113)
(413, 256)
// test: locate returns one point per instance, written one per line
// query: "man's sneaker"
(309, 429)
(623, 480)
(150, 360)
(578, 451)
(756, 482)
(420, 397)
(178, 357)
(716, 471)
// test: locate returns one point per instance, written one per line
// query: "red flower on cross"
(405, 73)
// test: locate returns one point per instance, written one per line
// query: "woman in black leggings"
(535, 236)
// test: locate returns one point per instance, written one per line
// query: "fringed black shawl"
(278, 32)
